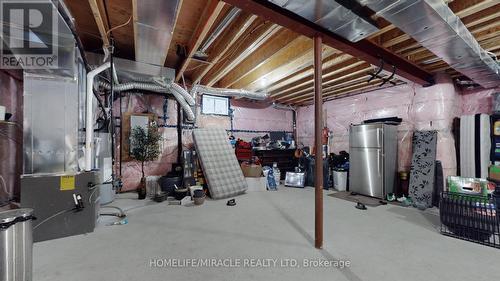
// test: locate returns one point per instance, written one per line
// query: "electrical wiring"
(51, 217)
(121, 213)
(119, 26)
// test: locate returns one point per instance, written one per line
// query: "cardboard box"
(472, 186)
(494, 173)
(256, 184)
(251, 170)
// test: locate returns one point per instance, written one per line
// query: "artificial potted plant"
(145, 146)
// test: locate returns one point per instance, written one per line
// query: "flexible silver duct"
(153, 88)
(283, 107)
(174, 87)
(236, 93)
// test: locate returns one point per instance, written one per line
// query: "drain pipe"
(89, 123)
(294, 116)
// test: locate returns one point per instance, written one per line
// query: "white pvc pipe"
(89, 122)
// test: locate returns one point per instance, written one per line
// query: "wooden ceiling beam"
(346, 73)
(346, 89)
(465, 8)
(260, 56)
(255, 40)
(210, 15)
(354, 77)
(97, 11)
(294, 58)
(341, 82)
(241, 27)
(342, 65)
(290, 59)
(363, 49)
(305, 76)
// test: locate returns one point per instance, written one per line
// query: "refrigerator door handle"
(379, 172)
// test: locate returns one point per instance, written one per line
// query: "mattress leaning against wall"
(219, 163)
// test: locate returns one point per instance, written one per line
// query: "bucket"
(340, 180)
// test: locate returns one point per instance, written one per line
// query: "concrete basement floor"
(383, 243)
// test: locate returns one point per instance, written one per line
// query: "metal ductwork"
(228, 19)
(132, 71)
(174, 89)
(281, 106)
(153, 27)
(236, 93)
(434, 25)
(337, 16)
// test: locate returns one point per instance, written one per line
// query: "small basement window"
(215, 105)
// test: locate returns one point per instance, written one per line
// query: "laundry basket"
(473, 218)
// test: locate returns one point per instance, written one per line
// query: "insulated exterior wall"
(430, 108)
(478, 101)
(247, 116)
(11, 96)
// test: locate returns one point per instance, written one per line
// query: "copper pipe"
(318, 132)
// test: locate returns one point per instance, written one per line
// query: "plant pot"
(141, 190)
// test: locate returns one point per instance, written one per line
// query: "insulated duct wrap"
(436, 27)
(157, 89)
(236, 93)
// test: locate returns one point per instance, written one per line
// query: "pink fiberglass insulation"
(11, 95)
(478, 101)
(430, 108)
(247, 116)
(11, 135)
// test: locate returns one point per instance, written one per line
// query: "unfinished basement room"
(243, 140)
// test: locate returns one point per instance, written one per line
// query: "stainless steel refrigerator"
(373, 159)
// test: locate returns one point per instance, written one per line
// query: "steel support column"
(318, 129)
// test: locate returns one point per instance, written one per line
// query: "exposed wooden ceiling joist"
(256, 39)
(273, 45)
(98, 12)
(363, 49)
(295, 80)
(347, 72)
(249, 54)
(212, 11)
(340, 65)
(241, 27)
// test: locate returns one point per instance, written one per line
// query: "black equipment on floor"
(473, 218)
(310, 173)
